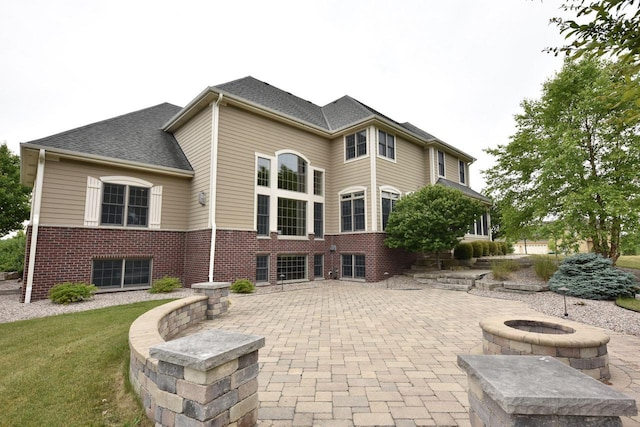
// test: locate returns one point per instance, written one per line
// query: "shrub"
(478, 248)
(242, 286)
(507, 248)
(503, 269)
(486, 248)
(544, 267)
(12, 253)
(494, 248)
(463, 251)
(591, 276)
(64, 293)
(164, 285)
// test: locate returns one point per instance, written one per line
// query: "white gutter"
(213, 181)
(35, 222)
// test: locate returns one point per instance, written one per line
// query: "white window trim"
(466, 172)
(444, 164)
(395, 146)
(350, 190)
(387, 189)
(93, 200)
(368, 145)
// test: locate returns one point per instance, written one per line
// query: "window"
(481, 226)
(292, 217)
(485, 224)
(386, 145)
(318, 223)
(353, 266)
(264, 171)
(262, 219)
(118, 199)
(388, 203)
(440, 163)
(463, 176)
(292, 173)
(317, 183)
(318, 266)
(262, 268)
(121, 273)
(356, 145)
(352, 212)
(292, 267)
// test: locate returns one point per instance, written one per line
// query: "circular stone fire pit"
(579, 346)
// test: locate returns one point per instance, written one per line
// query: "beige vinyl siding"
(241, 136)
(410, 171)
(451, 167)
(65, 188)
(353, 173)
(195, 140)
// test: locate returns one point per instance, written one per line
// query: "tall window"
(262, 268)
(356, 145)
(352, 212)
(463, 173)
(386, 145)
(292, 267)
(124, 205)
(353, 266)
(318, 220)
(264, 171)
(318, 266)
(440, 163)
(388, 203)
(292, 173)
(262, 219)
(292, 217)
(317, 183)
(121, 273)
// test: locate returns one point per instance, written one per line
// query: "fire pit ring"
(580, 346)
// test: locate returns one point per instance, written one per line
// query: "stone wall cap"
(206, 350)
(211, 285)
(543, 385)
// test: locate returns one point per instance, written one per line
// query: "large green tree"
(573, 159)
(14, 197)
(432, 219)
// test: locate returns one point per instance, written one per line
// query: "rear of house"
(247, 181)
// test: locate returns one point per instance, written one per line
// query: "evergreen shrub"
(486, 248)
(478, 249)
(64, 293)
(165, 285)
(463, 251)
(591, 276)
(494, 249)
(242, 286)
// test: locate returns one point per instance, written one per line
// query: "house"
(246, 181)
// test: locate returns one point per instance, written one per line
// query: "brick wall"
(196, 256)
(67, 253)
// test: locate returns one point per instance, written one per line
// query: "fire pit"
(579, 346)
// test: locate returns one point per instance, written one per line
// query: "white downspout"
(35, 222)
(213, 181)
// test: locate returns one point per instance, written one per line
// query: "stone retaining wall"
(175, 392)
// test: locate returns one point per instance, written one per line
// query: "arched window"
(292, 173)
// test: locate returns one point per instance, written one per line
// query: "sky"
(458, 69)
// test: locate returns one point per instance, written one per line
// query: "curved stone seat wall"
(179, 386)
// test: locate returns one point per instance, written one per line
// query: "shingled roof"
(134, 137)
(466, 190)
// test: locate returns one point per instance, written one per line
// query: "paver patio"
(349, 354)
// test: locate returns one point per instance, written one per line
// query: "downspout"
(213, 178)
(35, 222)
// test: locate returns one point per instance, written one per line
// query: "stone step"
(10, 291)
(437, 284)
(524, 287)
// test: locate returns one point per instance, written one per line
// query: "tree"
(14, 197)
(432, 219)
(573, 160)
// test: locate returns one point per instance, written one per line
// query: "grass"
(70, 370)
(629, 261)
(629, 303)
(502, 269)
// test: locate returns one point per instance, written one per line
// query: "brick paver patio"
(342, 354)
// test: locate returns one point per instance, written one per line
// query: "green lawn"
(70, 370)
(629, 261)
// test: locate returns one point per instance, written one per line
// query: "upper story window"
(122, 201)
(124, 205)
(386, 145)
(264, 171)
(389, 200)
(463, 172)
(318, 178)
(292, 173)
(440, 163)
(352, 212)
(355, 145)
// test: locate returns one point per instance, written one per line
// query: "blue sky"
(457, 69)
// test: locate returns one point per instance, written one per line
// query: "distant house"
(246, 181)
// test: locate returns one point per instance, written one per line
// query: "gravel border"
(603, 314)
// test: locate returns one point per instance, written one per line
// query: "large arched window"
(292, 173)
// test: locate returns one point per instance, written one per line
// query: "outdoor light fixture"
(282, 281)
(564, 296)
